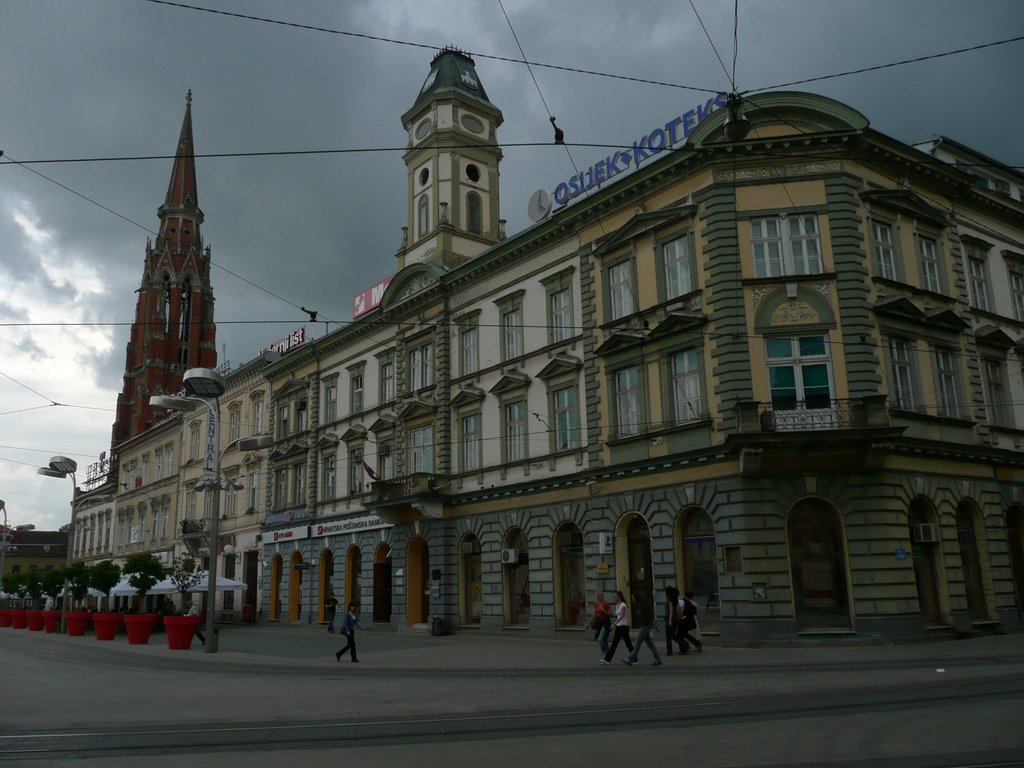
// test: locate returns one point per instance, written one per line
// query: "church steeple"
(452, 160)
(173, 329)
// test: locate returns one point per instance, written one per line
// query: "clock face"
(467, 78)
(429, 81)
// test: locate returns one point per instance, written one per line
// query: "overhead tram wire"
(395, 41)
(732, 78)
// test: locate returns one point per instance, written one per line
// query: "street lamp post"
(202, 384)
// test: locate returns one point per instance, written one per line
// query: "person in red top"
(601, 621)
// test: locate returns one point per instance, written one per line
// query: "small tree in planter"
(53, 585)
(185, 574)
(78, 584)
(103, 577)
(14, 584)
(144, 571)
(11, 583)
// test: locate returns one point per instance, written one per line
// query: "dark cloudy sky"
(108, 78)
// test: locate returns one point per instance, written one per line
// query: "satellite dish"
(539, 206)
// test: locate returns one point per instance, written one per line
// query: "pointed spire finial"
(188, 98)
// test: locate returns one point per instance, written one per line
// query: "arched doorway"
(471, 580)
(968, 527)
(515, 566)
(353, 577)
(417, 607)
(324, 585)
(634, 551)
(1015, 539)
(295, 587)
(570, 585)
(382, 583)
(275, 588)
(700, 566)
(817, 560)
(924, 542)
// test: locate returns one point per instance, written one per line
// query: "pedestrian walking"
(331, 607)
(672, 615)
(193, 610)
(645, 619)
(688, 622)
(621, 628)
(601, 621)
(349, 625)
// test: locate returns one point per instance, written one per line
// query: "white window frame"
(330, 403)
(421, 366)
(421, 449)
(355, 471)
(330, 480)
(512, 332)
(254, 487)
(947, 378)
(977, 270)
(565, 407)
(903, 374)
(797, 360)
(993, 374)
(676, 267)
(469, 344)
(627, 401)
(883, 243)
(356, 392)
(931, 266)
(794, 248)
(620, 290)
(560, 315)
(234, 424)
(685, 376)
(469, 439)
(513, 416)
(387, 379)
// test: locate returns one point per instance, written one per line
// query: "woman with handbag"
(621, 628)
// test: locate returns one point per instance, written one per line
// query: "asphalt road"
(275, 696)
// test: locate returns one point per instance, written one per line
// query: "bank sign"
(648, 145)
(351, 525)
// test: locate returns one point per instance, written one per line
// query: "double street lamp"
(203, 385)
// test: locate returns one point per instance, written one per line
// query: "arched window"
(925, 534)
(515, 566)
(471, 584)
(570, 585)
(382, 583)
(165, 302)
(353, 577)
(639, 586)
(324, 585)
(817, 559)
(474, 213)
(275, 588)
(295, 588)
(967, 533)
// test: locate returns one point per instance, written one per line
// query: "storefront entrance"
(353, 577)
(967, 528)
(275, 588)
(700, 569)
(471, 580)
(817, 559)
(326, 574)
(418, 594)
(570, 584)
(924, 538)
(295, 587)
(515, 566)
(1015, 539)
(639, 587)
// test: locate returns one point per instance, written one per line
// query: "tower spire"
(180, 215)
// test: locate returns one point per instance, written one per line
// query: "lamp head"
(173, 403)
(204, 382)
(48, 472)
(63, 464)
(737, 126)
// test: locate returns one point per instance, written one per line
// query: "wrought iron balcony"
(193, 527)
(406, 487)
(813, 415)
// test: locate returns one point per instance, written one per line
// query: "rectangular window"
(931, 276)
(948, 378)
(903, 374)
(421, 367)
(675, 256)
(158, 464)
(620, 290)
(979, 283)
(994, 375)
(154, 515)
(301, 414)
(470, 442)
(687, 403)
(560, 315)
(330, 477)
(168, 459)
(163, 526)
(512, 333)
(469, 343)
(190, 507)
(387, 379)
(257, 417)
(331, 403)
(627, 402)
(421, 451)
(145, 469)
(786, 245)
(280, 488)
(798, 373)
(355, 471)
(193, 444)
(567, 419)
(515, 431)
(385, 459)
(299, 484)
(282, 421)
(254, 490)
(1017, 293)
(231, 501)
(356, 383)
(234, 424)
(885, 254)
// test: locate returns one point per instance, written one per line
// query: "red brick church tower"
(173, 329)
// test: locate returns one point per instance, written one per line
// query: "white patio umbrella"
(224, 584)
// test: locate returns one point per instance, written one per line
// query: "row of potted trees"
(143, 571)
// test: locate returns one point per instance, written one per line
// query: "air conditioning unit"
(924, 533)
(509, 557)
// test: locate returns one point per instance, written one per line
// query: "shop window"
(817, 556)
(570, 586)
(515, 566)
(471, 586)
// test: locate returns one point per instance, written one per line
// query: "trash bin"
(247, 613)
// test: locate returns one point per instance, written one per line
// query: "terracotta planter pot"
(106, 625)
(5, 617)
(18, 618)
(51, 621)
(34, 620)
(180, 631)
(139, 627)
(77, 621)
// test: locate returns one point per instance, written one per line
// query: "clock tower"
(452, 161)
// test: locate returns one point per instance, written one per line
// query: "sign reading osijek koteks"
(658, 140)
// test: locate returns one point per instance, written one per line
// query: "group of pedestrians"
(680, 624)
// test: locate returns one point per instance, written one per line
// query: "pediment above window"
(642, 223)
(384, 423)
(327, 440)
(290, 388)
(946, 318)
(414, 408)
(287, 449)
(906, 201)
(991, 336)
(560, 365)
(511, 381)
(620, 340)
(355, 432)
(899, 306)
(677, 321)
(467, 394)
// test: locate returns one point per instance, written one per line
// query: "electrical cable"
(732, 81)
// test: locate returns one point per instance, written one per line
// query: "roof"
(453, 73)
